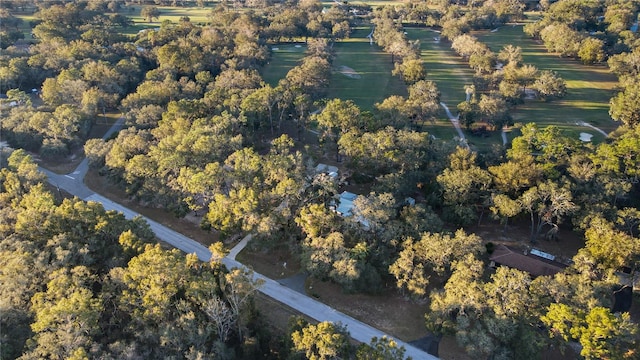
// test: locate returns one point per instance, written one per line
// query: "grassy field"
(283, 58)
(374, 3)
(372, 64)
(196, 15)
(449, 73)
(443, 66)
(27, 17)
(589, 88)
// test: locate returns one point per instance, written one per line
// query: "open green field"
(372, 3)
(27, 17)
(589, 88)
(375, 82)
(443, 66)
(369, 62)
(196, 15)
(449, 73)
(283, 57)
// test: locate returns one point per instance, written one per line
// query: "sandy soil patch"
(349, 72)
(585, 137)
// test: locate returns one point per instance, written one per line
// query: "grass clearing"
(389, 312)
(196, 15)
(284, 56)
(28, 18)
(449, 73)
(374, 3)
(443, 66)
(589, 88)
(372, 65)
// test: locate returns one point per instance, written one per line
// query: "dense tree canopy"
(79, 281)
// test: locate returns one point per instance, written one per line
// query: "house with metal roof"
(533, 264)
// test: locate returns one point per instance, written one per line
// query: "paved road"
(582, 123)
(73, 184)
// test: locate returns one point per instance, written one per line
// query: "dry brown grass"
(61, 166)
(448, 349)
(388, 312)
(277, 313)
(271, 263)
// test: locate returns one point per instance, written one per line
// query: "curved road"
(73, 184)
(456, 123)
(582, 123)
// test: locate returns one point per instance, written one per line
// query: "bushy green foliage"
(78, 279)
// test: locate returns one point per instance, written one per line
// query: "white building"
(327, 169)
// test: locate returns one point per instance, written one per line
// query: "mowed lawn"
(443, 66)
(589, 88)
(195, 14)
(372, 65)
(283, 57)
(450, 73)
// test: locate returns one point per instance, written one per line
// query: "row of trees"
(405, 54)
(502, 80)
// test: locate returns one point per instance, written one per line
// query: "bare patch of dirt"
(449, 349)
(388, 312)
(277, 314)
(61, 166)
(349, 72)
(275, 264)
(635, 307)
(518, 233)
